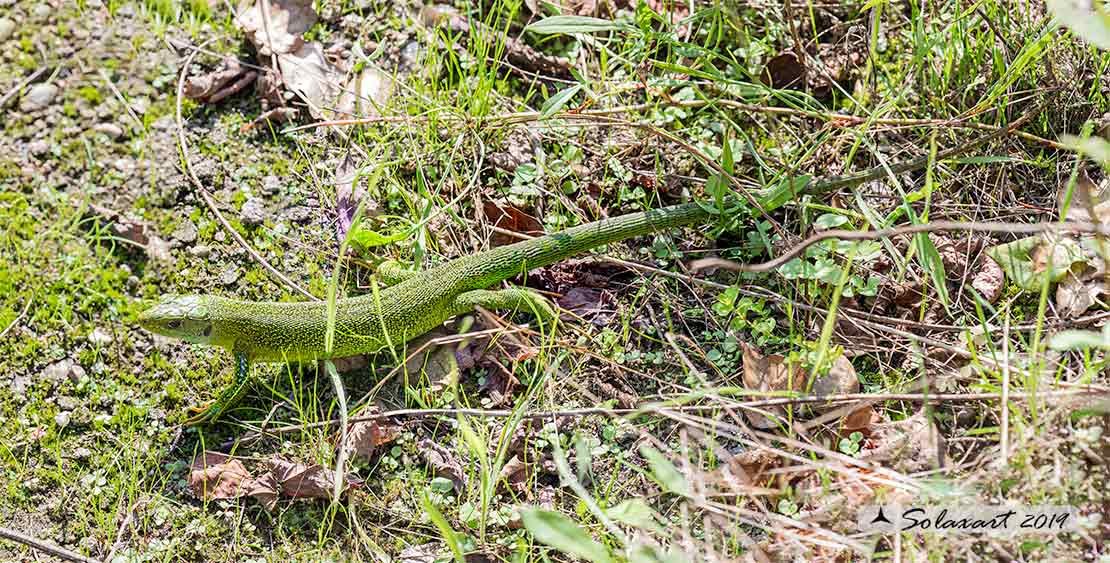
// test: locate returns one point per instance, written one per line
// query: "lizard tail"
(509, 261)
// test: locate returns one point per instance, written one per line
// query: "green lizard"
(416, 302)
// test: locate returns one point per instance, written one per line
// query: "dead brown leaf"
(1087, 196)
(436, 363)
(769, 374)
(860, 420)
(1081, 288)
(443, 462)
(908, 445)
(594, 305)
(226, 80)
(515, 473)
(134, 230)
(297, 480)
(214, 475)
(365, 95)
(364, 437)
(506, 216)
(309, 74)
(784, 71)
(990, 279)
(841, 379)
(288, 20)
(744, 472)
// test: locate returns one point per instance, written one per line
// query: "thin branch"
(207, 197)
(933, 226)
(656, 408)
(19, 87)
(45, 547)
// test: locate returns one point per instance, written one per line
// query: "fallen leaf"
(859, 420)
(443, 462)
(990, 279)
(1029, 261)
(841, 379)
(347, 196)
(213, 475)
(297, 480)
(365, 95)
(364, 437)
(288, 20)
(308, 73)
(769, 375)
(507, 217)
(516, 473)
(784, 71)
(434, 362)
(1082, 287)
(594, 305)
(910, 445)
(269, 89)
(744, 472)
(265, 491)
(226, 80)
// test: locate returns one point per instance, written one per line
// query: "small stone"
(299, 214)
(82, 453)
(271, 185)
(76, 372)
(42, 11)
(19, 386)
(7, 27)
(59, 371)
(185, 232)
(200, 251)
(229, 276)
(112, 130)
(163, 123)
(253, 212)
(140, 104)
(125, 165)
(159, 250)
(62, 419)
(38, 97)
(68, 403)
(38, 148)
(99, 337)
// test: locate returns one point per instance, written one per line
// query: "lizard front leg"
(229, 396)
(516, 299)
(392, 272)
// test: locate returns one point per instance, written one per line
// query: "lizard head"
(180, 316)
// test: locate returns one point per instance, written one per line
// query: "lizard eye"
(174, 324)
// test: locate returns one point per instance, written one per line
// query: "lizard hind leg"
(228, 397)
(392, 272)
(516, 299)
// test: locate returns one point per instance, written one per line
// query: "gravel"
(38, 97)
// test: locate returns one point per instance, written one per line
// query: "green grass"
(667, 340)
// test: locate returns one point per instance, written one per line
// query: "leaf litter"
(217, 476)
(1077, 264)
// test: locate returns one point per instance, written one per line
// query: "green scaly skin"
(418, 302)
